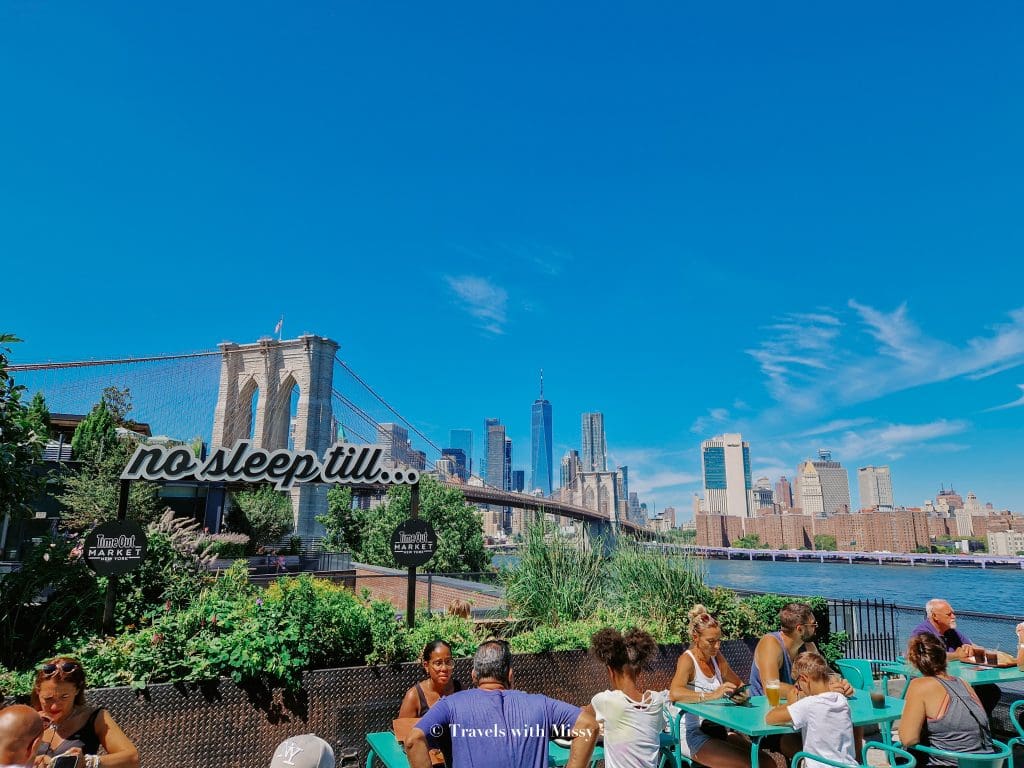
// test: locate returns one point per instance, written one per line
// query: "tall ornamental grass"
(557, 579)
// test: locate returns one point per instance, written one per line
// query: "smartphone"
(64, 761)
(740, 694)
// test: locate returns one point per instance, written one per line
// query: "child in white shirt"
(633, 718)
(821, 714)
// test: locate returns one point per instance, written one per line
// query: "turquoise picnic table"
(748, 719)
(385, 750)
(979, 674)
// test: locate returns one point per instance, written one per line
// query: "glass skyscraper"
(540, 444)
(463, 440)
(595, 450)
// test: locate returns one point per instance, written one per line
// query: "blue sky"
(797, 222)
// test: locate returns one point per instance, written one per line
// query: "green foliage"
(825, 542)
(343, 525)
(750, 541)
(236, 630)
(557, 579)
(654, 584)
(172, 574)
(460, 542)
(95, 435)
(21, 444)
(386, 634)
(460, 634)
(52, 599)
(263, 514)
(39, 416)
(222, 546)
(90, 494)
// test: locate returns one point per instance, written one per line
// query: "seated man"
(773, 657)
(20, 729)
(940, 620)
(773, 660)
(494, 726)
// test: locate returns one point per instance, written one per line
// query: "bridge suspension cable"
(386, 404)
(115, 361)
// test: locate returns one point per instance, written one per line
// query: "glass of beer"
(979, 655)
(771, 690)
(992, 656)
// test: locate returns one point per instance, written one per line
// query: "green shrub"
(459, 633)
(557, 579)
(649, 584)
(52, 599)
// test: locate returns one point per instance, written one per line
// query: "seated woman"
(74, 728)
(703, 674)
(633, 718)
(940, 710)
(438, 663)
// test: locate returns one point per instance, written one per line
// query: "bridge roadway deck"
(481, 495)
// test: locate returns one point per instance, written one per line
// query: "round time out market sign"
(116, 547)
(413, 542)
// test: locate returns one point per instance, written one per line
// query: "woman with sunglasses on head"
(703, 674)
(74, 728)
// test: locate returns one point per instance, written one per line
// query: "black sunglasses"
(65, 667)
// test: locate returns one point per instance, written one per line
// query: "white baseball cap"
(305, 751)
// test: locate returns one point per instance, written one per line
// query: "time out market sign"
(343, 464)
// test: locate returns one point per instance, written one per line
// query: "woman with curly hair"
(633, 717)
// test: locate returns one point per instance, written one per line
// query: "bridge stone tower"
(255, 398)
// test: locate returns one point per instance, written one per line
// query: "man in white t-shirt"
(821, 714)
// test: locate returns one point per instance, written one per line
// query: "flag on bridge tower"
(277, 328)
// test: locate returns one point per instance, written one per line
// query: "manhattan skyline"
(799, 224)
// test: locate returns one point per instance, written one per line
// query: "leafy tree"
(264, 514)
(750, 541)
(342, 524)
(21, 447)
(39, 416)
(460, 541)
(96, 435)
(118, 402)
(90, 494)
(825, 542)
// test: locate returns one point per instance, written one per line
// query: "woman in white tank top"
(703, 674)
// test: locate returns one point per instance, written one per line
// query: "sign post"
(113, 548)
(410, 587)
(413, 543)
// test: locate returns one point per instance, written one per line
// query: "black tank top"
(456, 686)
(85, 738)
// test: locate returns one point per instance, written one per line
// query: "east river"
(968, 589)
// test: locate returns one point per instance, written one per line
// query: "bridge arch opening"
(250, 401)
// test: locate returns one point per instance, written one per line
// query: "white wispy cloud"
(482, 299)
(836, 425)
(892, 440)
(714, 416)
(659, 476)
(813, 362)
(1013, 404)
